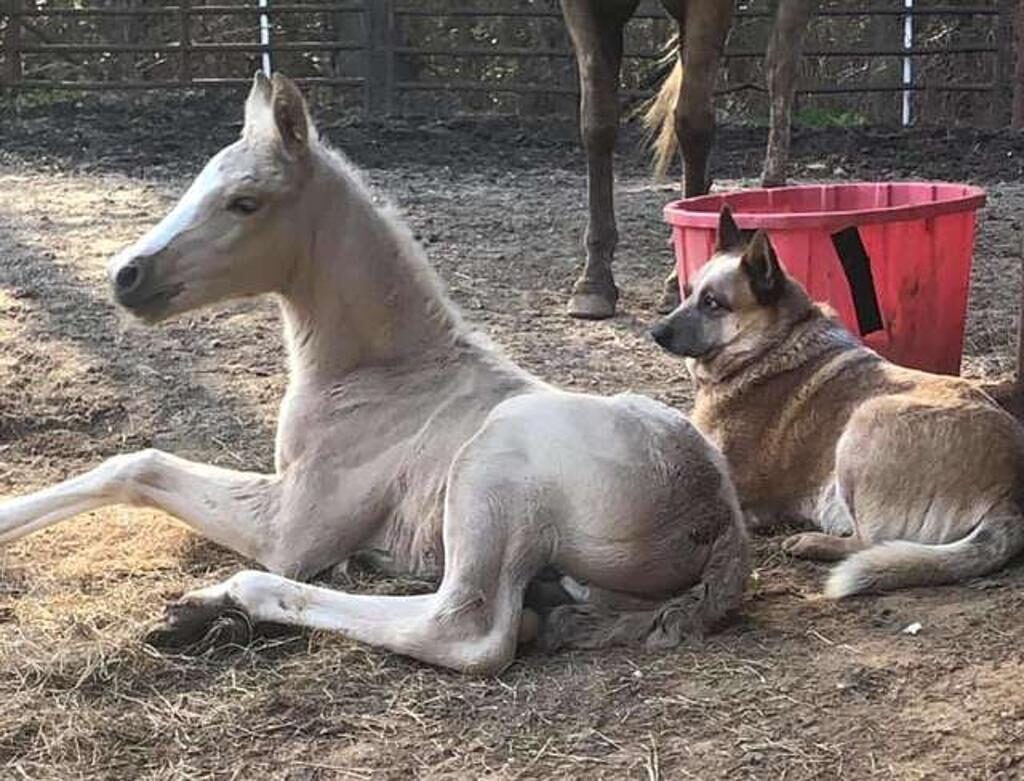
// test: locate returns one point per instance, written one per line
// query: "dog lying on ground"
(914, 478)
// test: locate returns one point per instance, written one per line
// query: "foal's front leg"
(235, 509)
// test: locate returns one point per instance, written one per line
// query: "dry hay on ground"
(797, 689)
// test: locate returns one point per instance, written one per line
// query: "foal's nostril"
(127, 277)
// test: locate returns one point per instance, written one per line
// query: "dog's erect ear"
(765, 274)
(729, 236)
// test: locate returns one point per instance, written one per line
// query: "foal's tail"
(902, 564)
(692, 614)
(659, 114)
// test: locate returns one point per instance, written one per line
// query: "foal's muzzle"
(136, 287)
(128, 278)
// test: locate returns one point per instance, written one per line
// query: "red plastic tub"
(894, 259)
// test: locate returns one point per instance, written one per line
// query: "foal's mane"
(411, 258)
(414, 266)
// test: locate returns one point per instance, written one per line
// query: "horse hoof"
(195, 626)
(669, 301)
(591, 306)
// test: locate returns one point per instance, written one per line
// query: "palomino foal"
(404, 435)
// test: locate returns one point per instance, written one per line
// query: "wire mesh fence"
(445, 57)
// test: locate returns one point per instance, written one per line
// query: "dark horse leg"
(781, 61)
(703, 28)
(595, 27)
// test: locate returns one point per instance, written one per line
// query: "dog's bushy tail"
(901, 564)
(689, 616)
(659, 115)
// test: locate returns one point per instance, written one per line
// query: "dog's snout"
(662, 334)
(128, 277)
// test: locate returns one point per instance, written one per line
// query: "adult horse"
(405, 436)
(683, 111)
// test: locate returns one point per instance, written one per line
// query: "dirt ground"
(797, 689)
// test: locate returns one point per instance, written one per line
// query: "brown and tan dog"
(920, 473)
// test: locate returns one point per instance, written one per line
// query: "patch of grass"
(825, 118)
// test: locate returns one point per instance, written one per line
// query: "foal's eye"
(243, 205)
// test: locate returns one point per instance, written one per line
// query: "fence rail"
(32, 53)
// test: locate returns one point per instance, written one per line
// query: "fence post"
(1017, 42)
(380, 65)
(185, 41)
(1001, 105)
(12, 45)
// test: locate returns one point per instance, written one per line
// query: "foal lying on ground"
(406, 436)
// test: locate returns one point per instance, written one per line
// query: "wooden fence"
(393, 51)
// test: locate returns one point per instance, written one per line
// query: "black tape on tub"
(857, 267)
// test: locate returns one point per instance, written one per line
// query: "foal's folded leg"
(460, 627)
(494, 546)
(234, 509)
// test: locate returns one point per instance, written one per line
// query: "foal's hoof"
(195, 626)
(669, 300)
(591, 306)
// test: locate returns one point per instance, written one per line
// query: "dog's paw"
(816, 546)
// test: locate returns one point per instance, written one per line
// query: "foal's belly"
(408, 546)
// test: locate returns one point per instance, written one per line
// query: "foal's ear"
(257, 105)
(729, 236)
(291, 118)
(764, 272)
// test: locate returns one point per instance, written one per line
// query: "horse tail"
(691, 615)
(660, 111)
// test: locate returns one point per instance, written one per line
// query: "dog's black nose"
(128, 277)
(662, 334)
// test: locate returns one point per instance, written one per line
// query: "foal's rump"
(631, 499)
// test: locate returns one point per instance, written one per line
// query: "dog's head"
(741, 302)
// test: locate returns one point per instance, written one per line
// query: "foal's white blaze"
(189, 213)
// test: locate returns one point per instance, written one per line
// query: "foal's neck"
(362, 293)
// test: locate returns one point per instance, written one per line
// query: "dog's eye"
(243, 205)
(709, 301)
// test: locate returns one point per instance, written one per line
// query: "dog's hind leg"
(934, 491)
(833, 514)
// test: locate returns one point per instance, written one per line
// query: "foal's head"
(234, 232)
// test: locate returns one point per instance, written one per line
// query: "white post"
(265, 37)
(908, 68)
